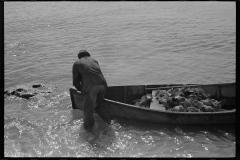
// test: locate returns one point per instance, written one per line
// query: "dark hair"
(83, 53)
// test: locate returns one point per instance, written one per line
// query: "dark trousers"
(93, 98)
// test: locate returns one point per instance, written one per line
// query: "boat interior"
(129, 94)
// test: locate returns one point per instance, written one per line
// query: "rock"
(192, 97)
(160, 93)
(20, 93)
(164, 102)
(7, 93)
(194, 102)
(217, 105)
(136, 101)
(167, 101)
(37, 85)
(185, 88)
(199, 105)
(178, 109)
(179, 98)
(145, 104)
(25, 95)
(199, 98)
(207, 102)
(202, 94)
(206, 109)
(21, 90)
(144, 101)
(184, 99)
(175, 91)
(192, 109)
(187, 103)
(187, 91)
(178, 103)
(170, 102)
(27, 92)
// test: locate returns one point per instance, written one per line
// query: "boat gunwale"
(190, 85)
(173, 85)
(171, 112)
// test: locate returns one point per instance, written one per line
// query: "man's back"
(89, 72)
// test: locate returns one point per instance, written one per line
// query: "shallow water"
(135, 43)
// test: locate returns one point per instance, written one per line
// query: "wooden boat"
(118, 103)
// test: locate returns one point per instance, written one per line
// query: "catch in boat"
(149, 103)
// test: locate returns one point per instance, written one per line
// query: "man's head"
(83, 53)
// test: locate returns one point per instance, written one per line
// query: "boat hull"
(117, 97)
(116, 109)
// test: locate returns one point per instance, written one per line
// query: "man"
(88, 78)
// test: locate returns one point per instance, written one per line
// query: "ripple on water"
(54, 130)
(15, 49)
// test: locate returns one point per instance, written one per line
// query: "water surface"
(135, 43)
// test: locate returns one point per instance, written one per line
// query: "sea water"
(134, 43)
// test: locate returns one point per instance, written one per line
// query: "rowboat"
(118, 103)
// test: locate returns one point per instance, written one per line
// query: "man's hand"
(78, 88)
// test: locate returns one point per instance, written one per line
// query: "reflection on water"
(47, 126)
(62, 135)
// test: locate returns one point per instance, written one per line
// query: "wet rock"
(190, 99)
(207, 109)
(27, 92)
(193, 97)
(178, 109)
(37, 85)
(164, 102)
(192, 109)
(160, 93)
(178, 103)
(167, 102)
(170, 102)
(25, 95)
(144, 101)
(207, 102)
(7, 93)
(187, 103)
(174, 91)
(203, 94)
(217, 105)
(20, 90)
(187, 91)
(179, 98)
(136, 101)
(199, 105)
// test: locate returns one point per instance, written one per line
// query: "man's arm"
(102, 74)
(76, 77)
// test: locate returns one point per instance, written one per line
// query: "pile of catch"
(183, 99)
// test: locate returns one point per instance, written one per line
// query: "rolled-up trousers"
(93, 98)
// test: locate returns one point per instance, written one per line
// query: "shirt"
(87, 72)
